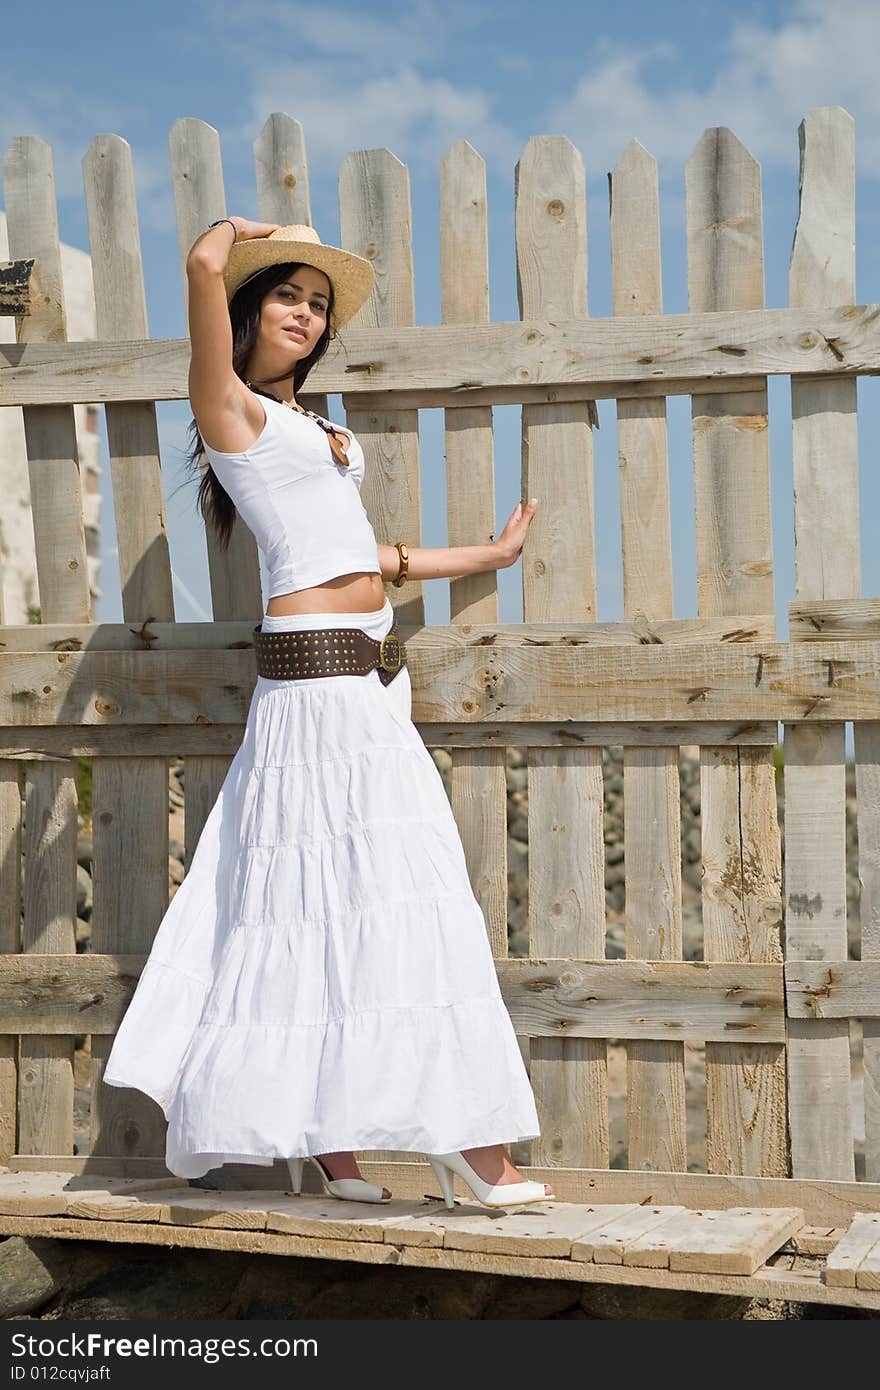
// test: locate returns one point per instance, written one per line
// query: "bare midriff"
(362, 592)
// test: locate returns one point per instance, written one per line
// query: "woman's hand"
(510, 543)
(247, 231)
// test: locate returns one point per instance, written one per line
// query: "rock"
(636, 1302)
(32, 1270)
(518, 1298)
(83, 892)
(517, 779)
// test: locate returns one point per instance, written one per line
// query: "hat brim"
(351, 276)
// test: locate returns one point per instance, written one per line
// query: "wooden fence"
(774, 996)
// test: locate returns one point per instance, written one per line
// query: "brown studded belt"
(329, 651)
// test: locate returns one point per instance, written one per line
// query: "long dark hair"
(213, 501)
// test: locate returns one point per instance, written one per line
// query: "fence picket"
(566, 795)
(742, 873)
(129, 795)
(478, 777)
(826, 491)
(656, 1119)
(45, 1064)
(375, 221)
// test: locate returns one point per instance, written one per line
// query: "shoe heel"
(444, 1178)
(296, 1174)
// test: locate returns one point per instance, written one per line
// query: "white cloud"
(768, 78)
(415, 31)
(414, 116)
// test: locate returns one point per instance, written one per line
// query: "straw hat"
(351, 276)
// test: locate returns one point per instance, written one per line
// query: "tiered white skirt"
(322, 979)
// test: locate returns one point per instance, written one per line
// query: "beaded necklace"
(336, 445)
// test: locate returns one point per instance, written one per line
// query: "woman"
(322, 981)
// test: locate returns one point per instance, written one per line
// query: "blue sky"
(415, 76)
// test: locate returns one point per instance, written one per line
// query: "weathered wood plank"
(566, 850)
(656, 1118)
(375, 221)
(739, 1241)
(221, 636)
(741, 886)
(197, 181)
(478, 779)
(45, 1065)
(10, 934)
(26, 743)
(456, 679)
(399, 1222)
(845, 1260)
(543, 1230)
(129, 795)
(833, 989)
(817, 620)
(827, 565)
(867, 767)
(733, 1241)
(607, 1244)
(55, 1192)
(547, 998)
(683, 350)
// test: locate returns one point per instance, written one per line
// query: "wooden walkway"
(764, 1252)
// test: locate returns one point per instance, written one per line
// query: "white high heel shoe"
(349, 1189)
(505, 1194)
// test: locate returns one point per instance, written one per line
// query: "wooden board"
(566, 881)
(733, 1241)
(827, 564)
(741, 884)
(606, 1244)
(49, 1193)
(597, 356)
(44, 1081)
(858, 1253)
(656, 1135)
(469, 679)
(833, 989)
(548, 1228)
(478, 778)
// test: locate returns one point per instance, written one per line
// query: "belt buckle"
(390, 637)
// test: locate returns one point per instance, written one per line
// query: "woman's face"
(294, 315)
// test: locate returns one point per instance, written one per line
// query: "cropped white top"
(304, 508)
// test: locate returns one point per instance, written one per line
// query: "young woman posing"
(322, 981)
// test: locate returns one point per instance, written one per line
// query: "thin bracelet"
(403, 554)
(231, 223)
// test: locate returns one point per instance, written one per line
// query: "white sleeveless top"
(303, 508)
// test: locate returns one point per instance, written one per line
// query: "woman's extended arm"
(455, 562)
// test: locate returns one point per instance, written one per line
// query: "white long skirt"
(322, 979)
